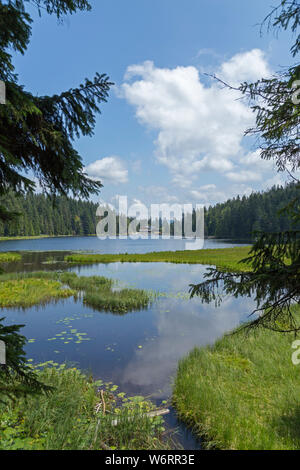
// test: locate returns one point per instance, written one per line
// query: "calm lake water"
(93, 244)
(138, 351)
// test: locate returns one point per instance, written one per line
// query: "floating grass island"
(227, 258)
(242, 393)
(27, 289)
(28, 292)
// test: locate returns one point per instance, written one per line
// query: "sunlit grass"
(84, 283)
(227, 258)
(242, 393)
(26, 289)
(117, 301)
(27, 292)
(7, 257)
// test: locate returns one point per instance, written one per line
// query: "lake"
(138, 351)
(93, 244)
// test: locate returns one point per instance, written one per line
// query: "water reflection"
(140, 350)
(180, 327)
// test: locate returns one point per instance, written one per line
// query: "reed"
(79, 414)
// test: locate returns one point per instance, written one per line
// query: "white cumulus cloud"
(110, 169)
(200, 127)
(248, 66)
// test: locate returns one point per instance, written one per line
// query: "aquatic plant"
(28, 292)
(79, 414)
(117, 301)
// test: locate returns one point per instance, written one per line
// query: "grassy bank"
(78, 414)
(242, 393)
(9, 257)
(227, 258)
(26, 289)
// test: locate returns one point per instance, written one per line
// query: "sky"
(168, 133)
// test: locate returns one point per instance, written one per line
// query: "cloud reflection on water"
(179, 329)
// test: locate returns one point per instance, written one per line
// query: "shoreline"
(224, 258)
(37, 237)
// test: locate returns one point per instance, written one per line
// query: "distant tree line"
(235, 218)
(241, 216)
(40, 215)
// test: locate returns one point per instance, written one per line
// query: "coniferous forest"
(261, 211)
(235, 218)
(40, 215)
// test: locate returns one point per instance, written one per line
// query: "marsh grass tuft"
(9, 257)
(117, 301)
(28, 292)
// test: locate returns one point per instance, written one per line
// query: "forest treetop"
(37, 133)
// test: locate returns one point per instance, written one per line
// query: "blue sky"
(167, 133)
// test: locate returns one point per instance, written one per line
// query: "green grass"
(227, 258)
(99, 293)
(28, 292)
(117, 301)
(69, 419)
(242, 393)
(9, 257)
(26, 289)
(86, 283)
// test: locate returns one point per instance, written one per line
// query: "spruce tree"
(37, 132)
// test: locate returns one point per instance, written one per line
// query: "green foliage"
(241, 216)
(284, 16)
(16, 377)
(79, 415)
(235, 218)
(39, 215)
(242, 393)
(9, 257)
(37, 133)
